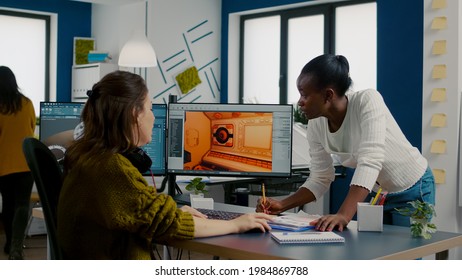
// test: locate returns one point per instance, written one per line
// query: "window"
(276, 45)
(25, 49)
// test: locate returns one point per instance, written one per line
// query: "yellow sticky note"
(438, 95)
(438, 120)
(439, 71)
(440, 176)
(438, 147)
(439, 23)
(438, 4)
(439, 47)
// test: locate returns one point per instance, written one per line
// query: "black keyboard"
(219, 214)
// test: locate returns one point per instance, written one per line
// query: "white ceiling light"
(137, 52)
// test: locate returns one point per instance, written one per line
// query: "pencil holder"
(370, 217)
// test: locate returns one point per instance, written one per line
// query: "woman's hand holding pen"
(271, 206)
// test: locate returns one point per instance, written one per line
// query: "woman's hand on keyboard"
(253, 221)
(193, 211)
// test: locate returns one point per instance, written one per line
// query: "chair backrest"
(47, 175)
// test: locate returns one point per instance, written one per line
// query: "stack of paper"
(295, 222)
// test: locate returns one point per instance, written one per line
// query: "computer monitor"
(57, 123)
(156, 149)
(242, 140)
(59, 119)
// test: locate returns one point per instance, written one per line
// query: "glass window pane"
(261, 60)
(23, 51)
(356, 39)
(305, 42)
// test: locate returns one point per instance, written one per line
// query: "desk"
(274, 186)
(394, 242)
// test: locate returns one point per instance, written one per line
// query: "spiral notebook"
(307, 237)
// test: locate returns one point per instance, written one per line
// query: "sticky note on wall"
(438, 147)
(439, 47)
(438, 120)
(438, 4)
(188, 79)
(438, 95)
(440, 176)
(439, 23)
(439, 71)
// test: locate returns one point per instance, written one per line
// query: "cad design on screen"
(251, 140)
(59, 119)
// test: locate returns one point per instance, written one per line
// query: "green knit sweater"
(108, 211)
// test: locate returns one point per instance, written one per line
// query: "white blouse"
(368, 140)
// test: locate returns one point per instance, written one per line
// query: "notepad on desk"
(306, 237)
(293, 222)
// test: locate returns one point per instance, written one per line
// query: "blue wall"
(399, 61)
(74, 20)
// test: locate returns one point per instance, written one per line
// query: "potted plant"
(299, 116)
(196, 186)
(196, 197)
(420, 214)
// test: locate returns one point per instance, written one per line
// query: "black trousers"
(16, 190)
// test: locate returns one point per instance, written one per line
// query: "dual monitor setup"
(197, 139)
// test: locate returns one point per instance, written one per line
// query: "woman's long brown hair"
(109, 118)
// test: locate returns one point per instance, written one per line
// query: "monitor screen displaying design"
(59, 119)
(250, 140)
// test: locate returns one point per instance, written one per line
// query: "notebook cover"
(307, 237)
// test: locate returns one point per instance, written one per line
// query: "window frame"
(325, 9)
(47, 20)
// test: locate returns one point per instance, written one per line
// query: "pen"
(382, 199)
(263, 192)
(376, 196)
(263, 203)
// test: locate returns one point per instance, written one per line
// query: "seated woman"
(106, 208)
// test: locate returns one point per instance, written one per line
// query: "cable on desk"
(178, 190)
(163, 185)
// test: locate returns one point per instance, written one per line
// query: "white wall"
(183, 33)
(448, 194)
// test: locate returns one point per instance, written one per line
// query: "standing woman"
(17, 121)
(359, 129)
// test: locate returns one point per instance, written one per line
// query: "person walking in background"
(17, 121)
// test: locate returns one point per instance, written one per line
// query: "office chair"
(47, 175)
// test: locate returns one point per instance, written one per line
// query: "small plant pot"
(198, 201)
(192, 196)
(421, 227)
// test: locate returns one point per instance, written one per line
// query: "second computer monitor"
(58, 121)
(251, 140)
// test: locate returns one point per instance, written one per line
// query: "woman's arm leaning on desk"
(204, 227)
(327, 222)
(345, 213)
